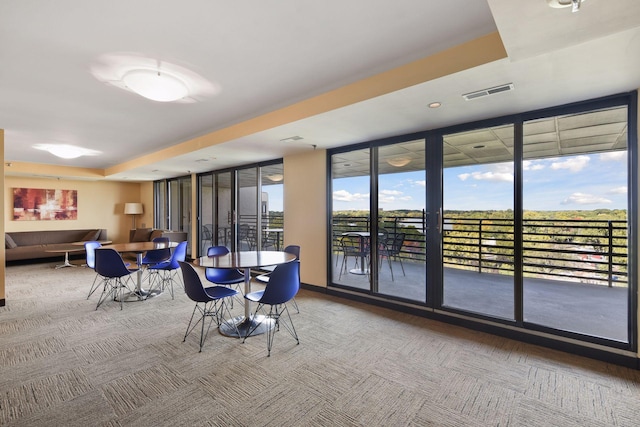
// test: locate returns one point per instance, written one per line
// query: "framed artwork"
(37, 204)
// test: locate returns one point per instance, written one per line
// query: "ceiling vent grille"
(486, 92)
(292, 139)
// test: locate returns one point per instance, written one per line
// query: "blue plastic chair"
(157, 256)
(264, 278)
(208, 298)
(283, 285)
(223, 276)
(90, 249)
(168, 270)
(116, 275)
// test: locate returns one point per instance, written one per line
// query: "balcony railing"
(588, 251)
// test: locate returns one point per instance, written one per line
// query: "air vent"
(292, 139)
(487, 92)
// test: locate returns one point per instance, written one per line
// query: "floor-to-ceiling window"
(575, 225)
(378, 242)
(477, 222)
(350, 218)
(242, 208)
(525, 220)
(172, 200)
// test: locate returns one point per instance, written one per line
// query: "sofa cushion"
(9, 243)
(154, 234)
(91, 235)
(141, 235)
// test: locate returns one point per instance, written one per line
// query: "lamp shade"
(133, 208)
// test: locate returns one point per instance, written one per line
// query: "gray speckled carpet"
(62, 363)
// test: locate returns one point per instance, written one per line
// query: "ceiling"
(262, 72)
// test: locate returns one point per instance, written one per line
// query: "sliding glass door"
(242, 208)
(575, 226)
(401, 208)
(477, 221)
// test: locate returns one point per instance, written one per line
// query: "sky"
(580, 182)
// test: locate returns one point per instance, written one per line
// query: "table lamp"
(133, 209)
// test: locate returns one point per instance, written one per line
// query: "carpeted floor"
(62, 363)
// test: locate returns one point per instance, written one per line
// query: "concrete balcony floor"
(589, 309)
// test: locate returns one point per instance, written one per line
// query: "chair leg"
(251, 330)
(295, 304)
(401, 265)
(95, 285)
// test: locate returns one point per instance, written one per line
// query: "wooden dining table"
(140, 248)
(245, 260)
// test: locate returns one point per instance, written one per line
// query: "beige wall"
(305, 213)
(4, 209)
(100, 205)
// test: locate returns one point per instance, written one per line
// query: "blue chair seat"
(220, 292)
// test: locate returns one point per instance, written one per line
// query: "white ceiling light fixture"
(557, 4)
(66, 151)
(276, 177)
(155, 85)
(399, 161)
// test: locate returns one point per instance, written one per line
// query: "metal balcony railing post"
(610, 250)
(480, 246)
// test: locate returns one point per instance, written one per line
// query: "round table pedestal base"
(140, 295)
(245, 325)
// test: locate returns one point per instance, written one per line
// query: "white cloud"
(584, 199)
(530, 165)
(391, 196)
(574, 164)
(619, 190)
(345, 196)
(488, 176)
(614, 156)
(421, 183)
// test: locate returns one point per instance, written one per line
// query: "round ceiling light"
(66, 151)
(155, 85)
(399, 161)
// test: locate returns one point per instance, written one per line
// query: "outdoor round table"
(245, 260)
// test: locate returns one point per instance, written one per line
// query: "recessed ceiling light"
(65, 151)
(435, 105)
(155, 85)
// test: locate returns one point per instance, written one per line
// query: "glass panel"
(575, 223)
(206, 213)
(402, 220)
(224, 210)
(160, 216)
(174, 205)
(272, 207)
(477, 233)
(180, 207)
(350, 219)
(247, 238)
